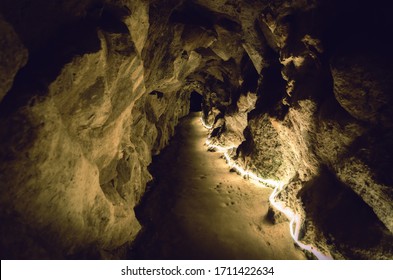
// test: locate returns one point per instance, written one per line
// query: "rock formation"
(91, 90)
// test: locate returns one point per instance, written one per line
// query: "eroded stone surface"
(91, 90)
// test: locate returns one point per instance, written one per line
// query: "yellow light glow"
(295, 224)
(205, 124)
(295, 219)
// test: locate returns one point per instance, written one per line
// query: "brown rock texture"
(81, 122)
(321, 119)
(91, 90)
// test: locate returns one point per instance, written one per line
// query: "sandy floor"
(197, 209)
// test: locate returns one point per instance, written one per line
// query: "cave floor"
(196, 209)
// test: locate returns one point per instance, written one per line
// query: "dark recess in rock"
(193, 14)
(348, 222)
(270, 93)
(44, 65)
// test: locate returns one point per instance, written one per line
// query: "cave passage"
(195, 102)
(197, 209)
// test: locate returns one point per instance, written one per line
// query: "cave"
(195, 129)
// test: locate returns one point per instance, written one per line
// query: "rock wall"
(322, 120)
(90, 90)
(86, 100)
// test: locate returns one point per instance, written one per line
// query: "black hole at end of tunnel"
(195, 102)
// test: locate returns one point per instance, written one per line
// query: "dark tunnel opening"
(195, 102)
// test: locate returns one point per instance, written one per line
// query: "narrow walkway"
(197, 209)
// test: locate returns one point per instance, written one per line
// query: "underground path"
(196, 209)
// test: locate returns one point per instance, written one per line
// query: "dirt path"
(196, 209)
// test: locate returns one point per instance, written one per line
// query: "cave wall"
(91, 90)
(86, 100)
(322, 120)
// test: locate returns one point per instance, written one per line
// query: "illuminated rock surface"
(91, 90)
